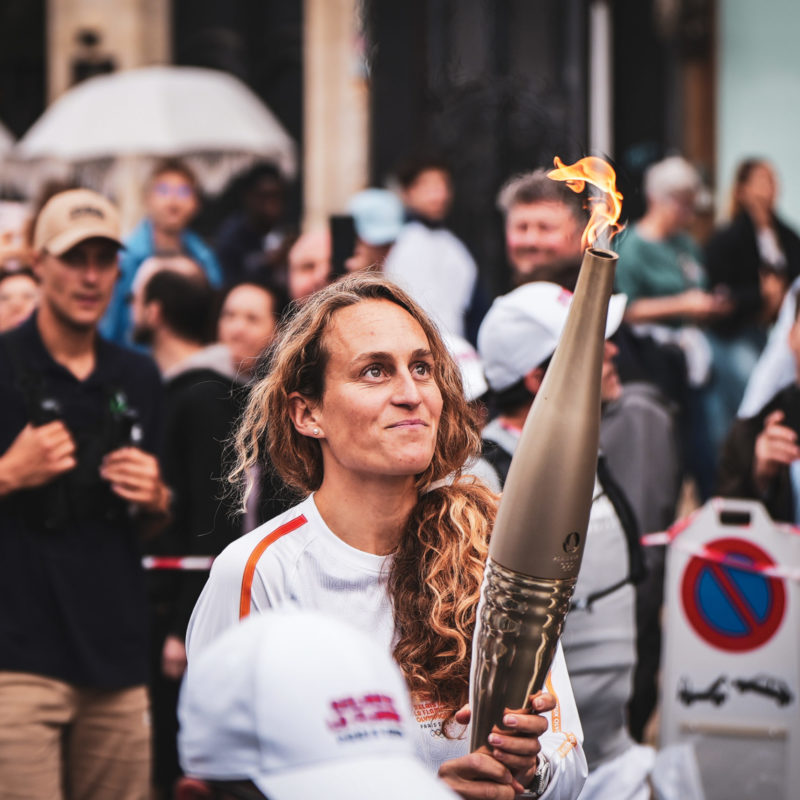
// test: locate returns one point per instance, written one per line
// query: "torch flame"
(605, 209)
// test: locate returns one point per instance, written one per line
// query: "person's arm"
(36, 456)
(553, 733)
(775, 447)
(693, 305)
(217, 608)
(219, 605)
(735, 474)
(134, 471)
(506, 766)
(135, 476)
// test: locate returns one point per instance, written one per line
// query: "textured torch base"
(516, 635)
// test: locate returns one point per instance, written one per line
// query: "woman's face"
(380, 408)
(19, 295)
(760, 188)
(246, 324)
(430, 194)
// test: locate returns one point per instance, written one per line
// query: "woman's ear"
(153, 314)
(304, 415)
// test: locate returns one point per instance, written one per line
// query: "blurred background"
(282, 111)
(496, 86)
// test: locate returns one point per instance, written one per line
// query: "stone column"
(132, 33)
(601, 79)
(336, 108)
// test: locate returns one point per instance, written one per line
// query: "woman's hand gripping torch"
(537, 542)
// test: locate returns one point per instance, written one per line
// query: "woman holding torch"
(361, 409)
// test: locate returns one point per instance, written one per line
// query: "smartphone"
(343, 241)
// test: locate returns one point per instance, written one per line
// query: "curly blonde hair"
(436, 572)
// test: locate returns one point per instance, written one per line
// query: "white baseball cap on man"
(469, 363)
(522, 328)
(303, 706)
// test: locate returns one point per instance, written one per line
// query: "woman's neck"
(367, 513)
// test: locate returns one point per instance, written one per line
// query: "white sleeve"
(562, 744)
(219, 606)
(776, 367)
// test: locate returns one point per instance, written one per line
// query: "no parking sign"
(730, 603)
(731, 656)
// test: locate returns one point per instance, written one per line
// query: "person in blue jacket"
(172, 199)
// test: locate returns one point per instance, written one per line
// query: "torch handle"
(538, 538)
(520, 621)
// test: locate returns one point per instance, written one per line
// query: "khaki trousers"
(59, 742)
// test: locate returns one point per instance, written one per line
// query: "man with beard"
(544, 221)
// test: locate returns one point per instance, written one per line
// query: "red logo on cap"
(358, 711)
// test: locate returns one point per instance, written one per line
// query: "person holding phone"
(761, 456)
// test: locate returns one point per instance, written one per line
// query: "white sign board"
(731, 656)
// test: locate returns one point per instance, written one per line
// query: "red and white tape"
(187, 563)
(671, 537)
(667, 537)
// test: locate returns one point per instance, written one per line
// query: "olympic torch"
(538, 538)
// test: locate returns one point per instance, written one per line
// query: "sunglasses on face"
(165, 190)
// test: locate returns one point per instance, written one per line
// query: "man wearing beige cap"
(79, 484)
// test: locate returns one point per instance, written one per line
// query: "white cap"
(302, 705)
(522, 329)
(377, 215)
(469, 362)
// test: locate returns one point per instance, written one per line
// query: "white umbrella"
(209, 118)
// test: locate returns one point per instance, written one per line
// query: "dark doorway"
(259, 41)
(22, 63)
(494, 86)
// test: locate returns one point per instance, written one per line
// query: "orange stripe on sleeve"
(556, 712)
(252, 561)
(571, 740)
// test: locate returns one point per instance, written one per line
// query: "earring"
(316, 431)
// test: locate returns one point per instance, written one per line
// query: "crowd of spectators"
(126, 363)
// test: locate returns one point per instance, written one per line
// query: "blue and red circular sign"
(734, 609)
